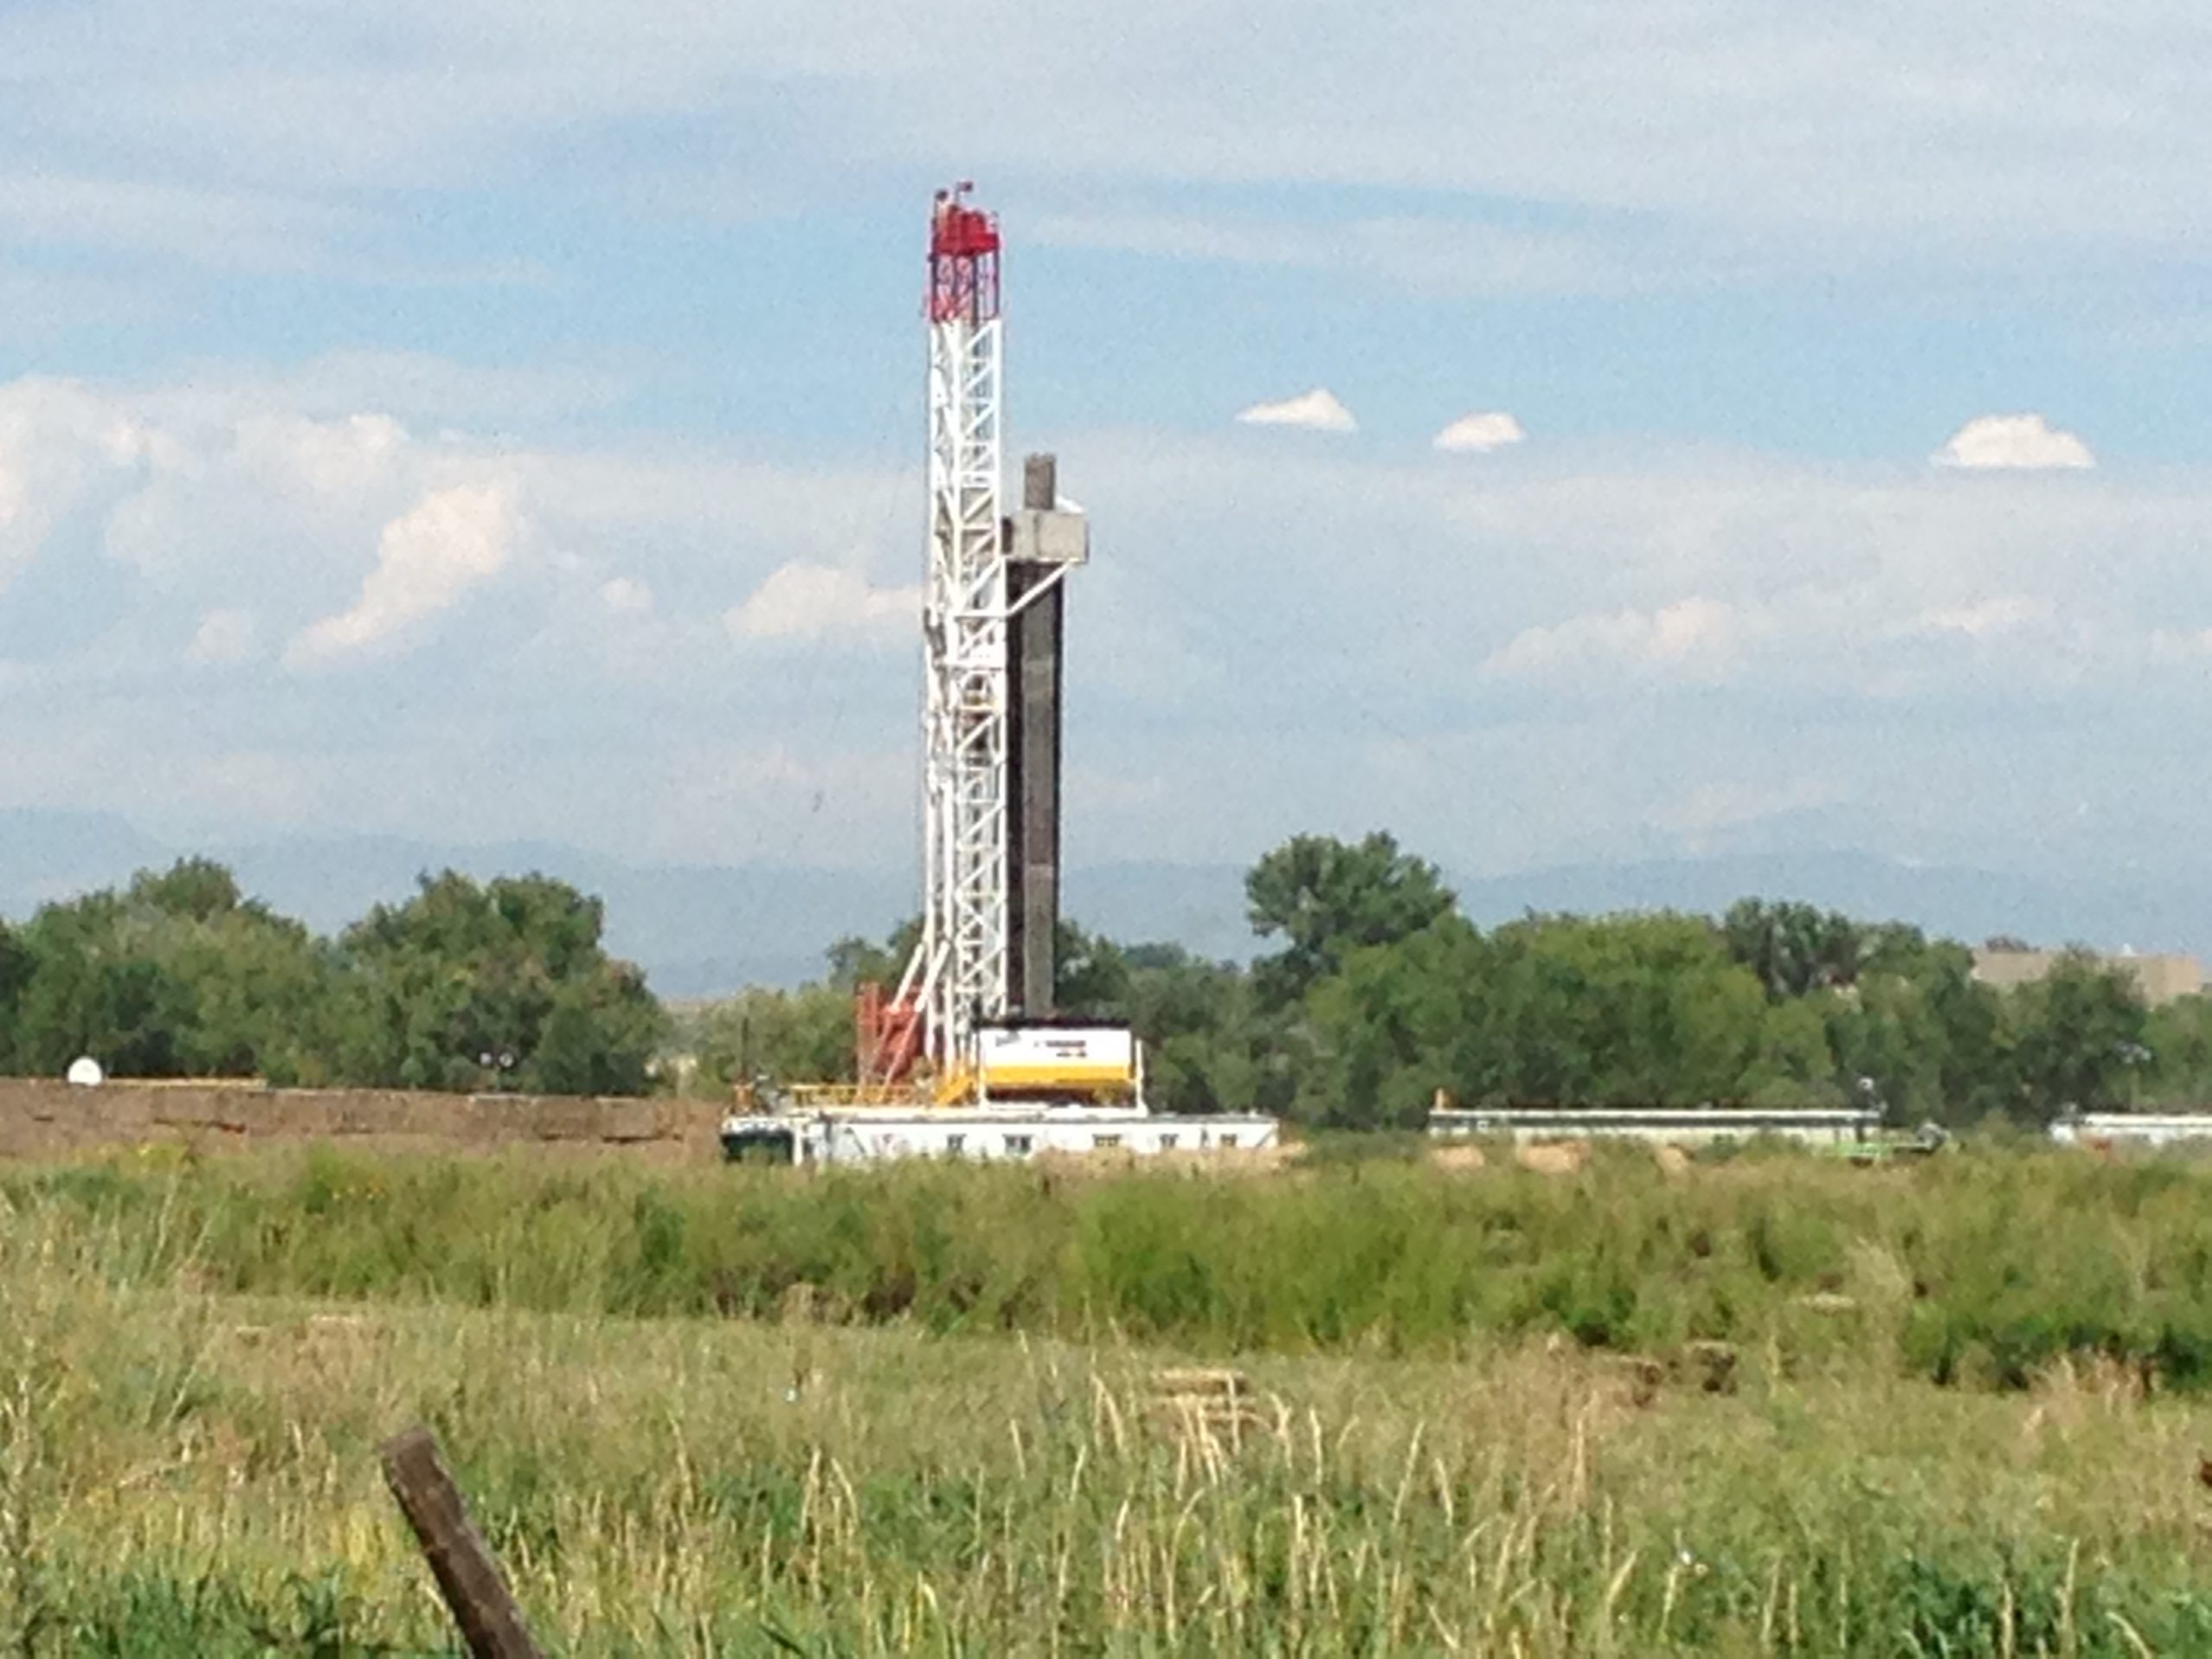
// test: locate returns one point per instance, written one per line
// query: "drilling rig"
(992, 626)
(967, 1057)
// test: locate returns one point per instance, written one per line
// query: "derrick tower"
(967, 691)
(972, 1028)
(991, 630)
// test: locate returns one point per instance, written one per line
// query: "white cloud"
(2021, 441)
(1695, 639)
(627, 596)
(1318, 411)
(427, 561)
(1480, 434)
(1855, 622)
(337, 458)
(224, 637)
(1916, 133)
(220, 493)
(811, 601)
(1895, 137)
(65, 452)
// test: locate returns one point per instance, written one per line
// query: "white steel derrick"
(966, 905)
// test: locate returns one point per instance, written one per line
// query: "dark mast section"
(1045, 541)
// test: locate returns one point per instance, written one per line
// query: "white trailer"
(1679, 1126)
(2133, 1129)
(1005, 1133)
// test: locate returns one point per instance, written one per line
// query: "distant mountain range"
(700, 931)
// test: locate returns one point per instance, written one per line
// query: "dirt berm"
(39, 1119)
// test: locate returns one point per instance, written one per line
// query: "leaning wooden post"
(467, 1577)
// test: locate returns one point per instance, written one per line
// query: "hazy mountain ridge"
(698, 930)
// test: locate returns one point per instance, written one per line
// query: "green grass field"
(728, 1411)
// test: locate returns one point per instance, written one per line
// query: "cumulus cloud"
(1480, 434)
(224, 637)
(339, 457)
(427, 560)
(165, 505)
(64, 453)
(1895, 616)
(2020, 442)
(1318, 411)
(812, 601)
(1695, 639)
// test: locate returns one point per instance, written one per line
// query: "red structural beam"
(964, 279)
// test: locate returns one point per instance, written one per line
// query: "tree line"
(1371, 994)
(464, 986)
(1375, 993)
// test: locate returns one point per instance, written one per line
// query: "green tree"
(1794, 949)
(1208, 1046)
(2077, 1034)
(2180, 1040)
(75, 1000)
(1632, 1009)
(90, 993)
(177, 974)
(500, 985)
(1889, 1043)
(192, 889)
(1636, 1009)
(1090, 976)
(854, 962)
(1924, 1033)
(251, 988)
(1327, 897)
(1794, 1062)
(802, 1036)
(16, 966)
(1382, 1028)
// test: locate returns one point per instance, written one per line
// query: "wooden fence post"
(467, 1577)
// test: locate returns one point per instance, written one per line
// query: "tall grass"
(195, 1472)
(1976, 1269)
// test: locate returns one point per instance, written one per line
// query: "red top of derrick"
(963, 259)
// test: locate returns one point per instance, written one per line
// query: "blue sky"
(479, 420)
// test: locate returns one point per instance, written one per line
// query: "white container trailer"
(1011, 1132)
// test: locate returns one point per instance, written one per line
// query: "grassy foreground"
(197, 1364)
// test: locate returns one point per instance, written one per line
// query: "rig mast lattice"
(962, 962)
